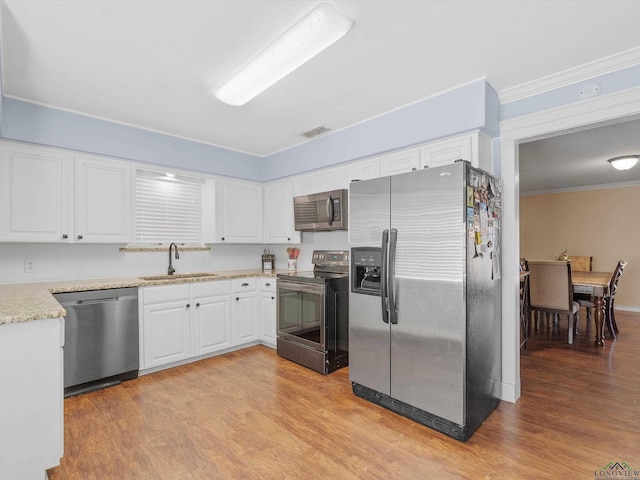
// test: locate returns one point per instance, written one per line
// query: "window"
(168, 208)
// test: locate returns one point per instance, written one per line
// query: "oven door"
(301, 313)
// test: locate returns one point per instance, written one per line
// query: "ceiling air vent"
(314, 132)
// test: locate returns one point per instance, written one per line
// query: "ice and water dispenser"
(366, 266)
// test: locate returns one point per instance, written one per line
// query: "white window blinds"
(168, 208)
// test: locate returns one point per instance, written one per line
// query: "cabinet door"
(448, 151)
(365, 169)
(400, 162)
(268, 318)
(240, 213)
(323, 181)
(212, 324)
(166, 333)
(278, 214)
(245, 318)
(35, 194)
(103, 203)
(32, 398)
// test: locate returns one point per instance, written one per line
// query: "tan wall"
(604, 224)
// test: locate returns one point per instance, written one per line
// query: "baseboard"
(625, 308)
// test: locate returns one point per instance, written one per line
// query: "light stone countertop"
(23, 302)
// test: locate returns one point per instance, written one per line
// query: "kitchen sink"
(178, 276)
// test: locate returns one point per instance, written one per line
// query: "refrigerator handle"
(393, 240)
(383, 276)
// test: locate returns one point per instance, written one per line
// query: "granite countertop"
(23, 302)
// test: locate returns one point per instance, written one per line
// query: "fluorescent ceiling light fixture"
(624, 163)
(307, 38)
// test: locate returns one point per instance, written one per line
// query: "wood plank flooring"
(252, 415)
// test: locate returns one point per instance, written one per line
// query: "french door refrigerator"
(424, 302)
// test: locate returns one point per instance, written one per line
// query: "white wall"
(54, 262)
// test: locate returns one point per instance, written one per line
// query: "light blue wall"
(48, 126)
(473, 106)
(452, 112)
(609, 83)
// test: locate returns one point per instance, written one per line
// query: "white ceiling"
(579, 159)
(153, 64)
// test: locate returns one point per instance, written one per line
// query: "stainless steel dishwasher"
(101, 338)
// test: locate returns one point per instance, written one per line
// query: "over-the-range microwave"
(321, 212)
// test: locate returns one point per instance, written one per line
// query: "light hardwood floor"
(252, 415)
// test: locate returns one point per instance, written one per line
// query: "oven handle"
(316, 288)
(383, 276)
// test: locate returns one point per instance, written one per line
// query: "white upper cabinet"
(474, 147)
(322, 181)
(103, 201)
(50, 196)
(239, 212)
(35, 194)
(400, 162)
(278, 213)
(365, 169)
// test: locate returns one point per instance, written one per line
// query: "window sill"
(162, 248)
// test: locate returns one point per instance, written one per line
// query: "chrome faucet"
(172, 270)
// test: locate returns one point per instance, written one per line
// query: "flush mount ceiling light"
(625, 162)
(307, 38)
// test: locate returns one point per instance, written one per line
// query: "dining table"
(595, 284)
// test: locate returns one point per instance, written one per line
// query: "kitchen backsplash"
(82, 261)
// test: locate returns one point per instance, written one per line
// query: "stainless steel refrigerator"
(424, 302)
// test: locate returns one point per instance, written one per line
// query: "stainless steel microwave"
(321, 212)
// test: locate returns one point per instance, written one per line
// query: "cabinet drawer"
(207, 289)
(268, 284)
(243, 285)
(166, 293)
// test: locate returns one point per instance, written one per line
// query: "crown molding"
(584, 188)
(574, 117)
(603, 66)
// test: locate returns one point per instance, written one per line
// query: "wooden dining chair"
(609, 315)
(524, 301)
(581, 264)
(551, 291)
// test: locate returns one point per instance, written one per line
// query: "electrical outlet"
(29, 266)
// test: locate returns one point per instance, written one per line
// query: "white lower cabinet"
(211, 317)
(244, 311)
(268, 309)
(32, 414)
(185, 321)
(166, 325)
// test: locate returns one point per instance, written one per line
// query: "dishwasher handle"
(97, 301)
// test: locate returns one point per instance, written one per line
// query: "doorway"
(571, 118)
